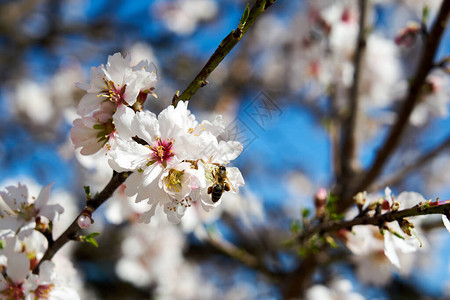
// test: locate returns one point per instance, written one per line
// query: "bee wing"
(231, 185)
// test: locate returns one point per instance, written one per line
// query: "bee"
(220, 184)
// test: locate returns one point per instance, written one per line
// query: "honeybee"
(220, 184)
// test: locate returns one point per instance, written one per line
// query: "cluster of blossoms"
(174, 159)
(22, 244)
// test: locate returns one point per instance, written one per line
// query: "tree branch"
(421, 209)
(425, 65)
(349, 132)
(222, 51)
(92, 205)
(240, 255)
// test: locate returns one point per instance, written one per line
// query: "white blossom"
(18, 282)
(338, 289)
(174, 158)
(118, 83)
(150, 252)
(19, 212)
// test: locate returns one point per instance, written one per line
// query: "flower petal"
(18, 267)
(389, 249)
(446, 222)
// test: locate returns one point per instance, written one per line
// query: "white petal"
(50, 211)
(43, 197)
(151, 173)
(89, 103)
(446, 222)
(116, 67)
(15, 196)
(128, 156)
(389, 249)
(235, 178)
(122, 120)
(228, 151)
(387, 194)
(18, 267)
(147, 216)
(46, 273)
(145, 125)
(132, 184)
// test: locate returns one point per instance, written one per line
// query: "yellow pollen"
(160, 150)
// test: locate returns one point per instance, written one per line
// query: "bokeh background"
(274, 92)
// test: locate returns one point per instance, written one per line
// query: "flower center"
(173, 180)
(13, 291)
(113, 93)
(43, 291)
(162, 151)
(104, 130)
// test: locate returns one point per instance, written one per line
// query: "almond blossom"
(91, 133)
(118, 83)
(172, 157)
(20, 213)
(18, 282)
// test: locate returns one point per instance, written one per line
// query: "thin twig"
(426, 64)
(240, 255)
(418, 210)
(92, 205)
(417, 163)
(222, 51)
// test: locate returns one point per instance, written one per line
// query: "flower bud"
(84, 221)
(360, 199)
(408, 35)
(320, 200)
(395, 205)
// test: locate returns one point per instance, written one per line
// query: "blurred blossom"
(381, 72)
(150, 252)
(186, 282)
(435, 100)
(337, 289)
(21, 213)
(32, 100)
(43, 103)
(57, 197)
(244, 206)
(121, 208)
(20, 254)
(18, 282)
(141, 51)
(300, 190)
(183, 16)
(438, 174)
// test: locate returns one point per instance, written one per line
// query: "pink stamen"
(162, 151)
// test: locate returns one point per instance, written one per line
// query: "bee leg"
(227, 186)
(210, 190)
